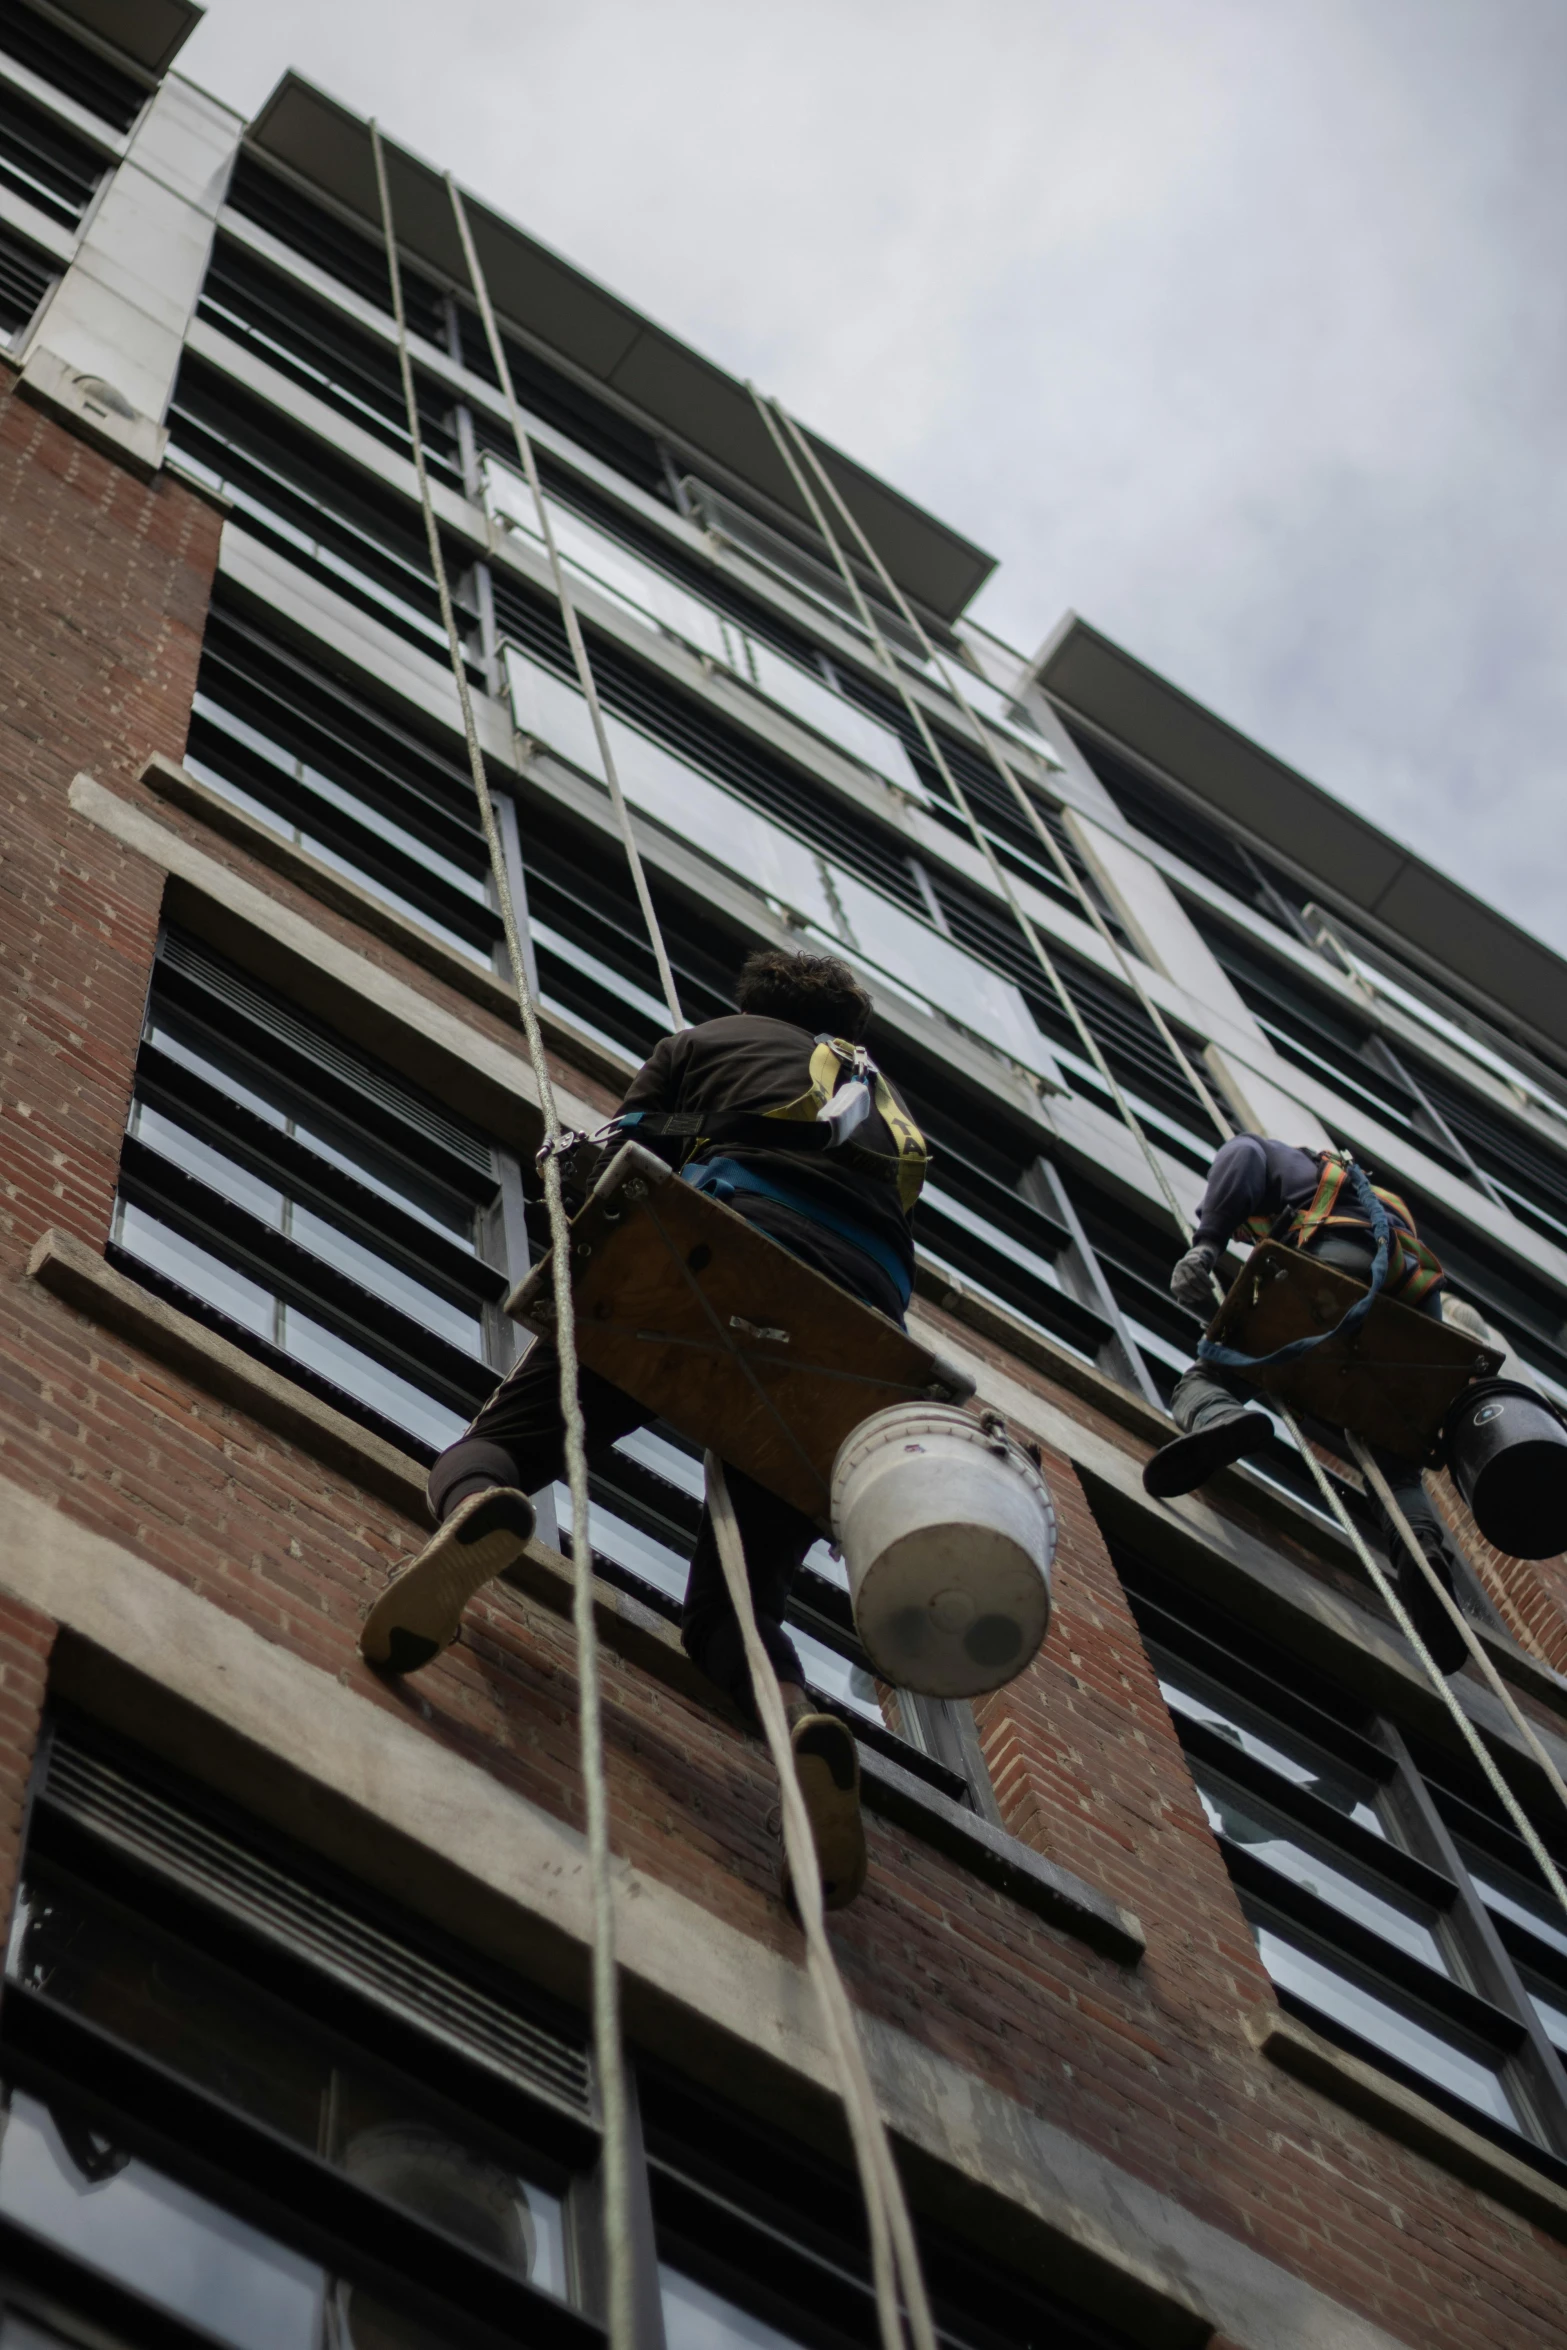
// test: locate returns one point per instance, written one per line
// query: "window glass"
(355, 1155)
(1268, 1837)
(1294, 1756)
(327, 855)
(216, 2029)
(1550, 2005)
(1511, 1896)
(697, 2318)
(653, 595)
(1390, 2030)
(261, 1311)
(303, 1225)
(130, 2221)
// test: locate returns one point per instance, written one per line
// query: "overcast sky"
(1235, 325)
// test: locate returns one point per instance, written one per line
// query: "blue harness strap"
(722, 1178)
(1230, 1358)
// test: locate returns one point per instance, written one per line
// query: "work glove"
(1191, 1284)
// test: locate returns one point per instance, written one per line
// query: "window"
(357, 257)
(25, 277)
(41, 161)
(300, 497)
(1174, 822)
(56, 56)
(239, 2099)
(243, 2097)
(779, 832)
(277, 734)
(312, 1206)
(1376, 1893)
(636, 577)
(319, 348)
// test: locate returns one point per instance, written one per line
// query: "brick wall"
(26, 1639)
(102, 590)
(1530, 1595)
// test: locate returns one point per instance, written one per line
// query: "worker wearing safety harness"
(778, 1111)
(1259, 1190)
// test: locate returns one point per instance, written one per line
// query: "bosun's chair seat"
(724, 1334)
(1391, 1381)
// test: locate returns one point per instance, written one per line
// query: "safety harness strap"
(1374, 1214)
(1413, 1269)
(802, 1124)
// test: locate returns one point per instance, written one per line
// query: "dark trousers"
(1205, 1393)
(518, 1439)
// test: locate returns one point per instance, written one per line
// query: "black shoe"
(1448, 1648)
(421, 1612)
(1180, 1467)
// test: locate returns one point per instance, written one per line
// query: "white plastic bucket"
(947, 1531)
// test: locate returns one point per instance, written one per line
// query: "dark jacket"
(745, 1063)
(1251, 1176)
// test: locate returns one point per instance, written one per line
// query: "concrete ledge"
(1404, 2114)
(75, 1273)
(194, 798)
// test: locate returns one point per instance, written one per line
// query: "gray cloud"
(1237, 327)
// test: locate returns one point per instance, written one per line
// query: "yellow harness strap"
(832, 1059)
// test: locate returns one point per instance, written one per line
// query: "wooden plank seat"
(724, 1334)
(1391, 1381)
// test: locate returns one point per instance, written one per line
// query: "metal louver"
(212, 1866)
(346, 1070)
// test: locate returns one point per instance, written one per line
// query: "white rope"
(894, 2257)
(609, 2056)
(1011, 779)
(1330, 1494)
(568, 610)
(1002, 879)
(1489, 1673)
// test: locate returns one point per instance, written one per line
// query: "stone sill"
(324, 883)
(76, 1274)
(1415, 2120)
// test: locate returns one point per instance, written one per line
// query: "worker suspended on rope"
(1259, 1190)
(779, 1111)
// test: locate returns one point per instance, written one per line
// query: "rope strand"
(1002, 879)
(609, 2055)
(894, 2257)
(568, 610)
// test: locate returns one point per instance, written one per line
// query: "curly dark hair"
(816, 992)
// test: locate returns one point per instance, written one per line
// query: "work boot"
(421, 1612)
(1189, 1461)
(827, 1764)
(1449, 1650)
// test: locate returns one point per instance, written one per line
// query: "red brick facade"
(103, 584)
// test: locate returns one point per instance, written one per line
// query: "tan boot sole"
(421, 1612)
(827, 1762)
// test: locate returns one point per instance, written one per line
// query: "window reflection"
(1298, 1856)
(129, 2221)
(1294, 1756)
(218, 2031)
(697, 2318)
(257, 1309)
(1390, 2030)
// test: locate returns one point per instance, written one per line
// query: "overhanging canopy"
(707, 414)
(1456, 935)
